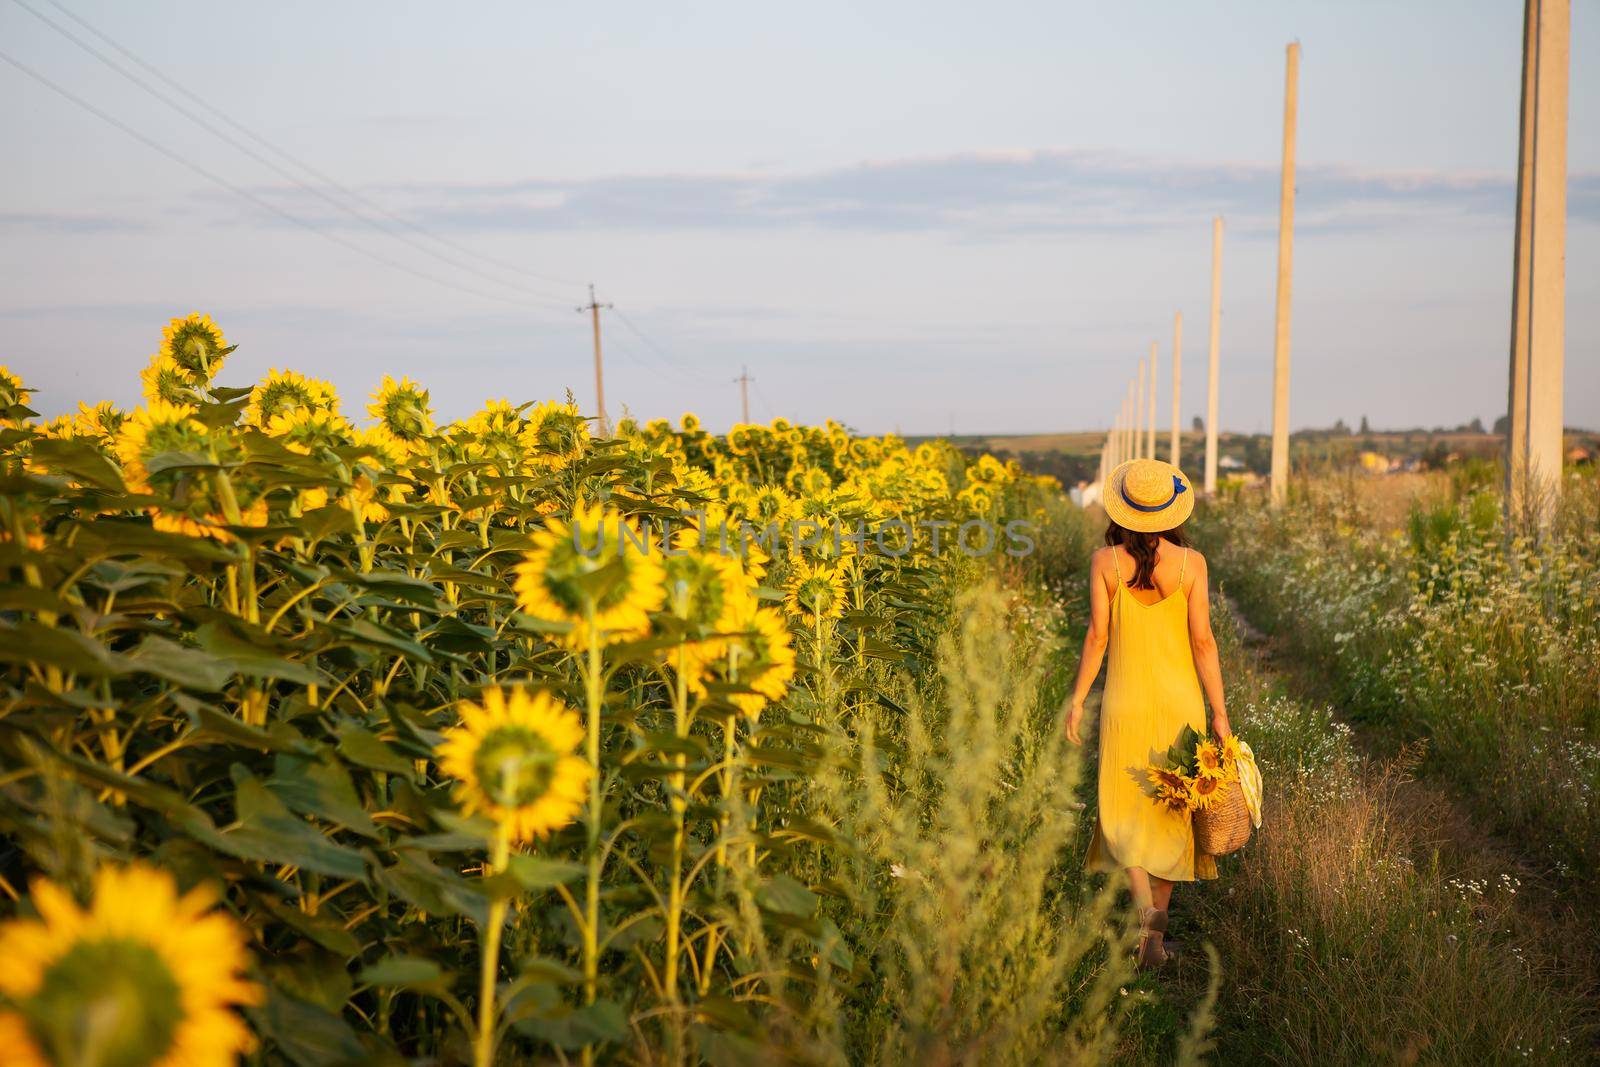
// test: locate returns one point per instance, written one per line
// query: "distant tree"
(1199, 424)
(1475, 426)
(1340, 429)
(1502, 425)
(1366, 427)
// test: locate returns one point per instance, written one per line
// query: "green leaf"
(250, 654)
(321, 929)
(604, 1020)
(186, 667)
(307, 1035)
(366, 749)
(80, 461)
(784, 895)
(407, 972)
(434, 890)
(33, 642)
(538, 872)
(320, 787)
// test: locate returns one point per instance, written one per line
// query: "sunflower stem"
(679, 804)
(489, 967)
(591, 926)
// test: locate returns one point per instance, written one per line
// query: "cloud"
(981, 195)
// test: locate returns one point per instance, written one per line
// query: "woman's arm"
(1094, 645)
(1204, 644)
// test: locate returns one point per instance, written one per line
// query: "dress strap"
(1183, 567)
(1116, 561)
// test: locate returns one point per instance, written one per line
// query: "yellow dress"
(1151, 693)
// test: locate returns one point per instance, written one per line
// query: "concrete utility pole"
(1139, 420)
(599, 372)
(1150, 423)
(1177, 383)
(1280, 348)
(1539, 273)
(744, 380)
(1211, 368)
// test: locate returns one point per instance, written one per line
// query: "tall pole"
(599, 372)
(744, 392)
(1177, 383)
(1538, 302)
(1280, 349)
(1211, 363)
(1138, 422)
(1150, 410)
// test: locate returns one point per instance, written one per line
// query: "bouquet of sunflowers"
(1202, 778)
(1195, 771)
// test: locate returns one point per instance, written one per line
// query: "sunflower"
(1208, 759)
(512, 757)
(101, 422)
(816, 591)
(196, 344)
(309, 430)
(1171, 789)
(12, 391)
(704, 591)
(555, 434)
(285, 392)
(758, 655)
(1231, 753)
(768, 503)
(165, 380)
(142, 976)
(404, 409)
(161, 427)
(1203, 791)
(591, 569)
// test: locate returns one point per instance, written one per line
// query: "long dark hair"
(1142, 547)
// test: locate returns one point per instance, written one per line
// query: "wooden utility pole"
(1280, 348)
(1211, 363)
(1535, 406)
(599, 372)
(744, 380)
(1177, 383)
(1150, 423)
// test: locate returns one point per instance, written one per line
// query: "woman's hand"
(1219, 726)
(1074, 721)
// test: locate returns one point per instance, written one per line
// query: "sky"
(911, 216)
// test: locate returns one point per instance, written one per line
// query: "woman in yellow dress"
(1149, 610)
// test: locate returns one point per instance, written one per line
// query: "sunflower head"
(595, 572)
(12, 392)
(102, 421)
(555, 434)
(404, 409)
(513, 760)
(704, 591)
(142, 976)
(166, 381)
(1231, 752)
(816, 591)
(161, 427)
(196, 345)
(1204, 791)
(310, 430)
(757, 654)
(1208, 758)
(283, 392)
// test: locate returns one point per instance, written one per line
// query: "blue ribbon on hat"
(1177, 487)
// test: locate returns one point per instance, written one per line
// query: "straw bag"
(1224, 825)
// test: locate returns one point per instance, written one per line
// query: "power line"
(264, 205)
(660, 352)
(245, 149)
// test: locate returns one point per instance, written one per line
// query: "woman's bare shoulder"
(1100, 557)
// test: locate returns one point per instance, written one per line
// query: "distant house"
(1230, 463)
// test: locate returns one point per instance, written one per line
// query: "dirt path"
(1555, 911)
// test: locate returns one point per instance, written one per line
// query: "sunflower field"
(478, 743)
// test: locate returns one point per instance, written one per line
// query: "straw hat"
(1148, 496)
